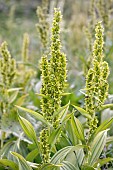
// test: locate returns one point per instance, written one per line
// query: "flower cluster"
(53, 74)
(7, 66)
(43, 25)
(25, 47)
(96, 79)
(44, 146)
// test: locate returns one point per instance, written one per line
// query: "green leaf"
(23, 165)
(13, 96)
(54, 136)
(37, 115)
(68, 166)
(61, 111)
(49, 166)
(83, 112)
(106, 106)
(102, 162)
(105, 125)
(14, 89)
(109, 140)
(28, 129)
(11, 164)
(97, 146)
(32, 155)
(21, 99)
(87, 167)
(71, 134)
(61, 154)
(78, 128)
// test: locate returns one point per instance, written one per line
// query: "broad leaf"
(67, 166)
(23, 165)
(28, 129)
(61, 154)
(102, 162)
(83, 112)
(54, 136)
(11, 164)
(32, 155)
(78, 128)
(87, 167)
(105, 125)
(97, 146)
(37, 115)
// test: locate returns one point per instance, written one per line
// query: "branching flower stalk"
(25, 48)
(7, 76)
(23, 71)
(96, 79)
(43, 24)
(53, 83)
(53, 74)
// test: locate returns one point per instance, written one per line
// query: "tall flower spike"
(8, 66)
(43, 24)
(53, 74)
(57, 65)
(25, 48)
(44, 146)
(96, 79)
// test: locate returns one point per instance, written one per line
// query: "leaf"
(23, 165)
(105, 125)
(68, 166)
(61, 110)
(49, 166)
(83, 112)
(102, 162)
(97, 146)
(28, 129)
(54, 136)
(106, 106)
(87, 167)
(61, 154)
(109, 140)
(71, 134)
(11, 164)
(21, 99)
(65, 94)
(13, 96)
(37, 115)
(14, 89)
(78, 128)
(64, 113)
(32, 155)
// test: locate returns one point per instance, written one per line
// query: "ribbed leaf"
(28, 129)
(83, 112)
(37, 115)
(67, 166)
(87, 167)
(32, 155)
(61, 154)
(97, 146)
(102, 162)
(11, 164)
(54, 136)
(78, 128)
(50, 167)
(23, 165)
(105, 125)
